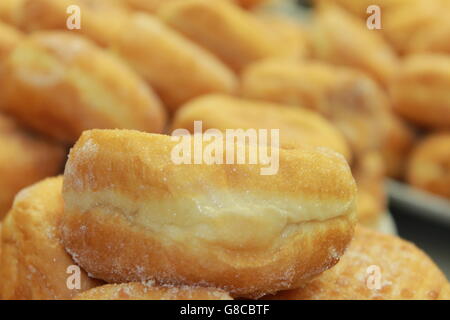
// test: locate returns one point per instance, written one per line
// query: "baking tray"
(419, 203)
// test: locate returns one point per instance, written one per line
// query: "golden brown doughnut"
(235, 36)
(406, 273)
(24, 159)
(61, 84)
(342, 39)
(404, 24)
(178, 69)
(144, 291)
(420, 91)
(298, 127)
(349, 99)
(9, 38)
(175, 67)
(34, 263)
(369, 173)
(429, 165)
(131, 214)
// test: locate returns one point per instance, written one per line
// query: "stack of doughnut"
(94, 207)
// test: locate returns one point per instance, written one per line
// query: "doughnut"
(369, 173)
(34, 264)
(429, 165)
(349, 99)
(132, 214)
(396, 146)
(61, 84)
(178, 69)
(174, 66)
(289, 31)
(404, 25)
(235, 36)
(144, 291)
(420, 90)
(297, 126)
(375, 267)
(9, 38)
(342, 39)
(24, 159)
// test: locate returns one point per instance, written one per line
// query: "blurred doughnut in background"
(429, 165)
(25, 158)
(420, 90)
(298, 127)
(61, 84)
(348, 98)
(193, 70)
(342, 39)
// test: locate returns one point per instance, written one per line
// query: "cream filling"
(233, 220)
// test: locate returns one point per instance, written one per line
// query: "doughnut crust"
(429, 165)
(348, 98)
(61, 84)
(34, 262)
(232, 34)
(131, 214)
(406, 273)
(24, 159)
(298, 127)
(144, 291)
(420, 90)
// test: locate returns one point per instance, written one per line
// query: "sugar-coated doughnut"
(420, 90)
(34, 264)
(177, 68)
(375, 267)
(132, 214)
(100, 20)
(369, 173)
(289, 31)
(297, 126)
(61, 84)
(429, 165)
(340, 38)
(9, 38)
(232, 34)
(350, 99)
(174, 66)
(24, 159)
(148, 291)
